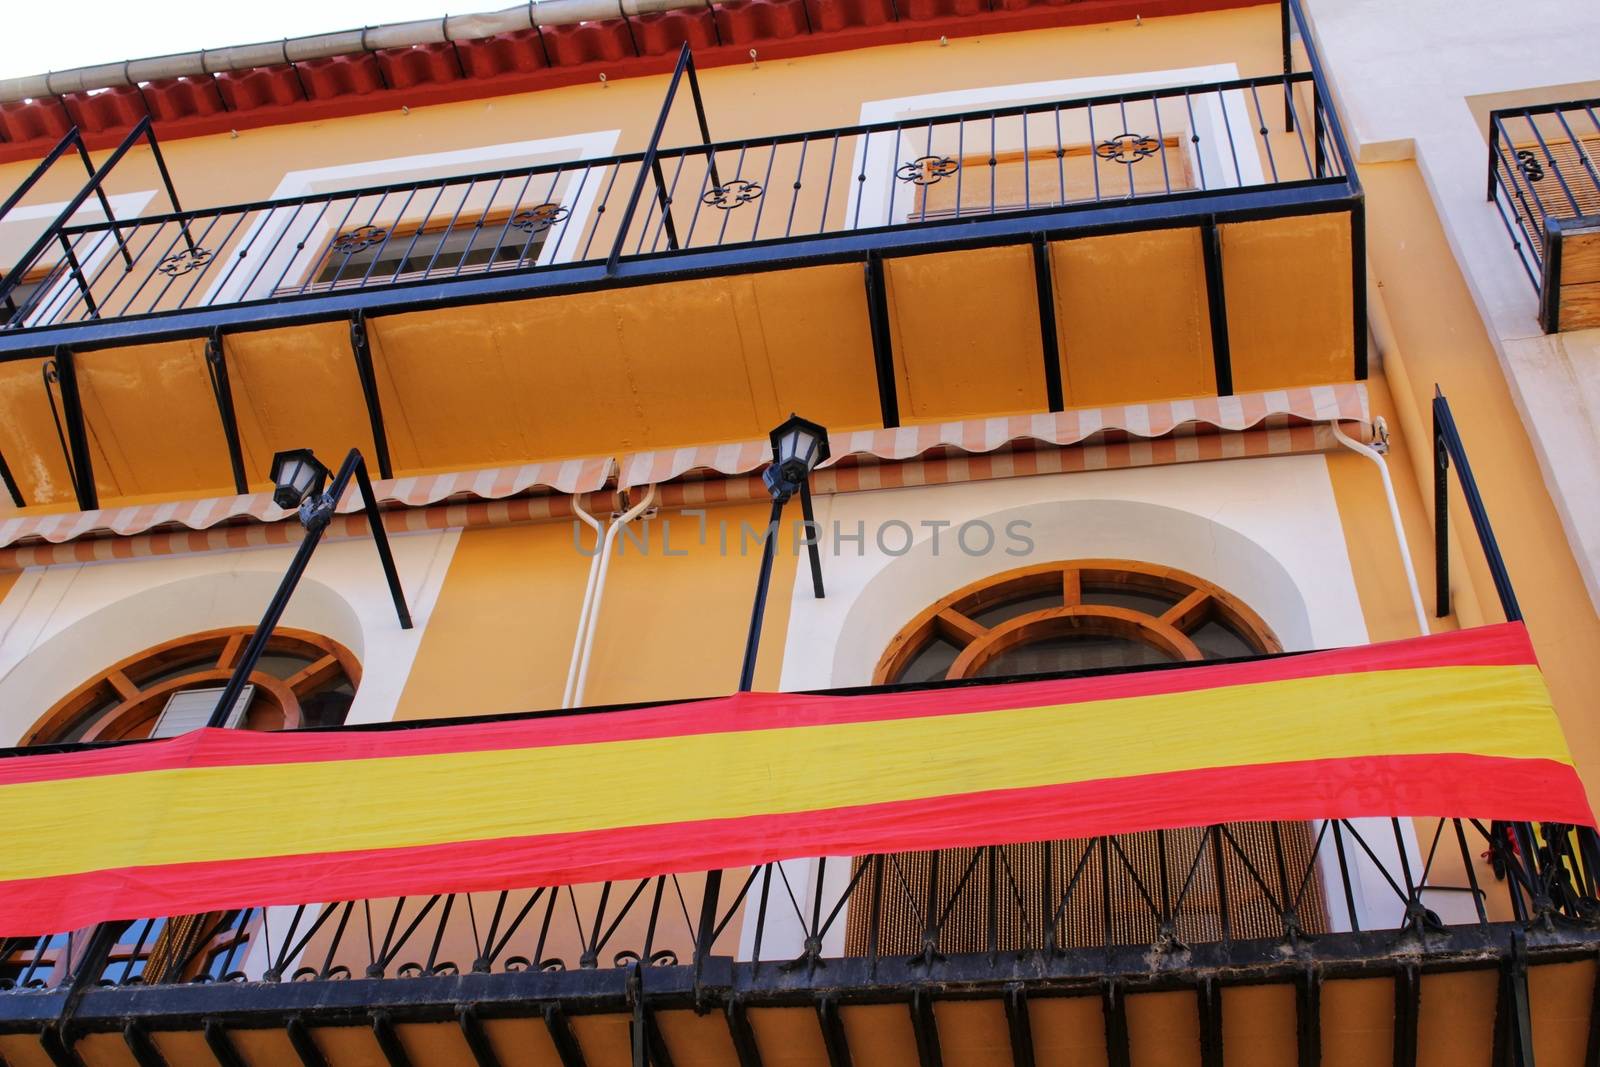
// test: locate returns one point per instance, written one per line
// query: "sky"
(37, 38)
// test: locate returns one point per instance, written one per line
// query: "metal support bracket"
(1044, 290)
(62, 371)
(882, 341)
(217, 370)
(361, 348)
(1217, 303)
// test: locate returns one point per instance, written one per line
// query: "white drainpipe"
(1394, 510)
(592, 618)
(588, 600)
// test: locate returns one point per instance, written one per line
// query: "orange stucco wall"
(1436, 336)
(775, 96)
(670, 626)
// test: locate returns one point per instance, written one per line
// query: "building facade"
(1142, 336)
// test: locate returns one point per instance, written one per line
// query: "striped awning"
(493, 483)
(1284, 420)
(1078, 426)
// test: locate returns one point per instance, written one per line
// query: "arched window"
(301, 679)
(1080, 615)
(1071, 616)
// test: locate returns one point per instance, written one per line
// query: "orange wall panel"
(1289, 301)
(965, 328)
(28, 436)
(500, 637)
(624, 370)
(297, 388)
(1131, 317)
(152, 410)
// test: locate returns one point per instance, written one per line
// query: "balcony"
(1305, 938)
(1545, 182)
(1120, 949)
(1187, 240)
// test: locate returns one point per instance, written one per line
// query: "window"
(301, 679)
(395, 252)
(1076, 615)
(19, 300)
(1014, 181)
(1073, 616)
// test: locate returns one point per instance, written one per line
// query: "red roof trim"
(531, 60)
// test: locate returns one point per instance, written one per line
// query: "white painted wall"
(60, 625)
(1402, 74)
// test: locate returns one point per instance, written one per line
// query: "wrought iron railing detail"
(1060, 162)
(794, 915)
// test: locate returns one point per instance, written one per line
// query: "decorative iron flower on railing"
(184, 261)
(355, 240)
(927, 170)
(541, 218)
(665, 957)
(1127, 148)
(1529, 164)
(732, 194)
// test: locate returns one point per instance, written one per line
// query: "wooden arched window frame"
(1183, 618)
(1089, 597)
(125, 700)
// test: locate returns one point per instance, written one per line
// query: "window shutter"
(192, 708)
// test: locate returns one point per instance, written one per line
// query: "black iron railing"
(1171, 892)
(1172, 150)
(1544, 179)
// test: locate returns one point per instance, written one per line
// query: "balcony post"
(648, 165)
(758, 611)
(1441, 520)
(1286, 30)
(1449, 449)
(813, 536)
(217, 371)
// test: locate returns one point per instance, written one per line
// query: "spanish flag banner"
(1456, 724)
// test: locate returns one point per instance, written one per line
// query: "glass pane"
(84, 721)
(328, 707)
(435, 251)
(177, 670)
(464, 247)
(283, 665)
(931, 663)
(1122, 596)
(1217, 640)
(1072, 652)
(1011, 609)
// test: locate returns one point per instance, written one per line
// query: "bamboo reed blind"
(1533, 198)
(1002, 904)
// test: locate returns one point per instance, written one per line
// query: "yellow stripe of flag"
(221, 813)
